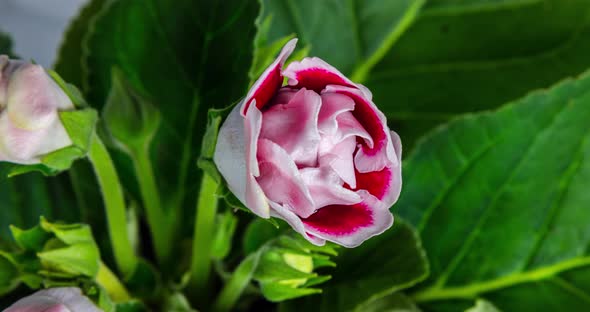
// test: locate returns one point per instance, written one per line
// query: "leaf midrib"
(471, 291)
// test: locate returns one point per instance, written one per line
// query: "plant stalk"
(114, 202)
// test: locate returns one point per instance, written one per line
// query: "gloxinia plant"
(238, 155)
(316, 153)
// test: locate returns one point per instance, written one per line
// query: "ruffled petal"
(381, 154)
(339, 157)
(326, 188)
(350, 225)
(333, 104)
(293, 126)
(283, 213)
(280, 179)
(315, 74)
(231, 160)
(270, 81)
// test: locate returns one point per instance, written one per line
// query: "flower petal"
(315, 74)
(281, 212)
(33, 98)
(350, 225)
(230, 158)
(381, 154)
(293, 126)
(280, 179)
(326, 188)
(339, 157)
(270, 81)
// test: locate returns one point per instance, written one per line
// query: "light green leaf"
(377, 268)
(472, 55)
(500, 200)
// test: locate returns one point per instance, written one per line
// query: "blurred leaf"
(5, 44)
(396, 302)
(472, 55)
(70, 55)
(377, 268)
(9, 275)
(351, 35)
(501, 202)
(224, 234)
(482, 306)
(257, 233)
(187, 56)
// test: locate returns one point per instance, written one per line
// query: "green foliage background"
(495, 197)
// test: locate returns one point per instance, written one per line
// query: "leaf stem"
(114, 202)
(156, 218)
(113, 286)
(235, 286)
(204, 234)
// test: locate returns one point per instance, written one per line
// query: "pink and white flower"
(316, 153)
(30, 100)
(65, 299)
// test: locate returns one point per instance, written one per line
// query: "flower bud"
(30, 102)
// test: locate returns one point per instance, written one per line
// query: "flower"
(316, 153)
(65, 299)
(30, 100)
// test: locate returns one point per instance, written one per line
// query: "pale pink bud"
(66, 299)
(30, 100)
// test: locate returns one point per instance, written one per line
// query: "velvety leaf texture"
(188, 56)
(377, 268)
(463, 56)
(500, 200)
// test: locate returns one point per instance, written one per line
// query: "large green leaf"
(351, 35)
(501, 202)
(471, 55)
(365, 275)
(187, 56)
(428, 63)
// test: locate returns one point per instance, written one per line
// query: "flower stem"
(114, 202)
(234, 287)
(204, 233)
(156, 217)
(113, 286)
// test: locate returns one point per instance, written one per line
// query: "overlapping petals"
(316, 152)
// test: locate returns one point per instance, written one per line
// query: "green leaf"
(482, 306)
(351, 35)
(224, 234)
(500, 200)
(187, 56)
(5, 44)
(396, 302)
(473, 55)
(9, 275)
(70, 54)
(377, 268)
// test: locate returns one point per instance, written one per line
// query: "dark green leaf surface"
(187, 56)
(471, 55)
(5, 44)
(377, 268)
(501, 202)
(351, 35)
